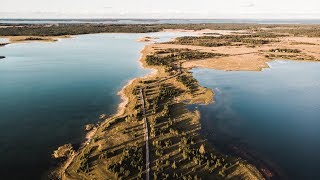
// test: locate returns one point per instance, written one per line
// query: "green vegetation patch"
(131, 162)
(177, 151)
(300, 30)
(188, 81)
(74, 29)
(291, 57)
(259, 38)
(169, 56)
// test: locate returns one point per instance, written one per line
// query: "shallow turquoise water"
(274, 113)
(49, 91)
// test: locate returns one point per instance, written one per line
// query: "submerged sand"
(19, 39)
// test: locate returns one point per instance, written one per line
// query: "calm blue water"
(274, 113)
(49, 91)
(160, 21)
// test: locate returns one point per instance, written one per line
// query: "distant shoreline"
(67, 29)
(162, 20)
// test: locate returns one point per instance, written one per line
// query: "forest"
(83, 28)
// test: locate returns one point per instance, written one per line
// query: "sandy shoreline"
(124, 98)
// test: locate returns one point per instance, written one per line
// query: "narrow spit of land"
(176, 148)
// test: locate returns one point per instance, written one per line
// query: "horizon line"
(113, 18)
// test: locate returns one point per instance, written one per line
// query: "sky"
(209, 9)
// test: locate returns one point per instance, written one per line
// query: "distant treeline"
(258, 38)
(307, 30)
(74, 29)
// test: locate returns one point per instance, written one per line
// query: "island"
(146, 39)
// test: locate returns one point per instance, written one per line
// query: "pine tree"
(174, 166)
(202, 150)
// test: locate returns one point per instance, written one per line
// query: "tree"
(126, 173)
(167, 162)
(207, 165)
(202, 150)
(174, 166)
(184, 154)
(121, 170)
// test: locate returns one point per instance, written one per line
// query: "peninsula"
(154, 134)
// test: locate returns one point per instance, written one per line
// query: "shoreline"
(123, 96)
(26, 39)
(124, 99)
